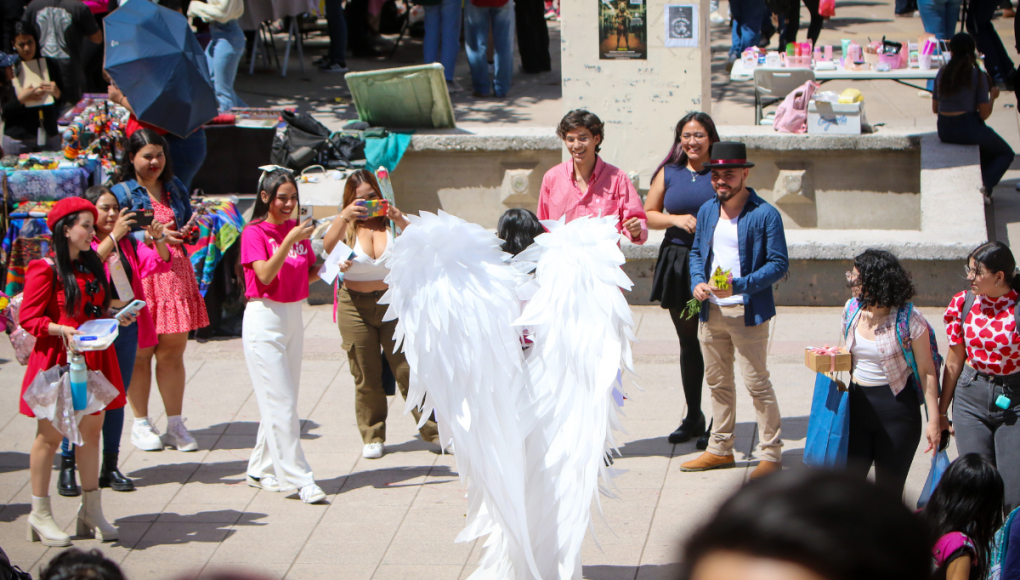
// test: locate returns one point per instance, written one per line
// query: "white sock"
(172, 420)
(142, 421)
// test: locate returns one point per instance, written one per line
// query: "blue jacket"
(131, 194)
(763, 256)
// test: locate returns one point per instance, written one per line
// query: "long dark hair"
(74, 564)
(959, 73)
(882, 280)
(271, 184)
(518, 228)
(837, 526)
(968, 499)
(139, 139)
(996, 257)
(65, 267)
(677, 155)
(350, 193)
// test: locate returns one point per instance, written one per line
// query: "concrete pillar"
(639, 101)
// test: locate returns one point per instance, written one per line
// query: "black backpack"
(305, 142)
(9, 571)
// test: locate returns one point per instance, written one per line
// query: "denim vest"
(764, 259)
(131, 194)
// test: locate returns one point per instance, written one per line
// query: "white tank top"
(726, 255)
(365, 268)
(868, 370)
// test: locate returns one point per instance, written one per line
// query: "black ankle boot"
(111, 477)
(67, 484)
(689, 429)
(702, 443)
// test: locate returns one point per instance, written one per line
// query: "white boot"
(91, 521)
(41, 526)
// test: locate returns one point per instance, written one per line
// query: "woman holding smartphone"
(126, 262)
(278, 263)
(365, 335)
(146, 180)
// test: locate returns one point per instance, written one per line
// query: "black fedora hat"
(726, 154)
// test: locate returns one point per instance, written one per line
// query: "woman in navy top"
(680, 186)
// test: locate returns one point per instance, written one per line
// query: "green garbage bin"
(407, 97)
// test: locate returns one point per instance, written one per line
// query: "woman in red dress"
(61, 293)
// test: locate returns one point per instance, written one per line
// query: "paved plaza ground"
(397, 517)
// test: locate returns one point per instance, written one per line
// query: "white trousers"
(273, 338)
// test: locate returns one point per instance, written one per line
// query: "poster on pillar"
(681, 26)
(623, 30)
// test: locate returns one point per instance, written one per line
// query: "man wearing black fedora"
(739, 233)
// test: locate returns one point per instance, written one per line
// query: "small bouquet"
(721, 279)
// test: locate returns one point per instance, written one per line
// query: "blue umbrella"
(156, 61)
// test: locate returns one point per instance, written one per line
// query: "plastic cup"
(924, 61)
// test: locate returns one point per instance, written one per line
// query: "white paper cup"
(924, 61)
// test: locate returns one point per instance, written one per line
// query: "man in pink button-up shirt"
(588, 186)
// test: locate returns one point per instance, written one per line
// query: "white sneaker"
(145, 436)
(267, 483)
(716, 18)
(312, 493)
(373, 451)
(177, 436)
(449, 449)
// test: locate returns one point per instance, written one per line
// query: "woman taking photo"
(61, 293)
(278, 263)
(366, 338)
(963, 101)
(136, 261)
(983, 365)
(22, 118)
(146, 181)
(884, 405)
(680, 186)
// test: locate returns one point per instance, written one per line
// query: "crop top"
(366, 269)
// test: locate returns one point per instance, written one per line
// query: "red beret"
(68, 206)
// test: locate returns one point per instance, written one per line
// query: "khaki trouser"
(365, 337)
(723, 334)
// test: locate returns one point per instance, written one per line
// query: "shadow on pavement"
(208, 527)
(384, 478)
(13, 461)
(208, 473)
(11, 512)
(646, 572)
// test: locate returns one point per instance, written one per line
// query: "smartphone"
(944, 440)
(375, 207)
(304, 212)
(131, 309)
(143, 217)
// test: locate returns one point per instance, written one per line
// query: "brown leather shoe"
(766, 468)
(708, 461)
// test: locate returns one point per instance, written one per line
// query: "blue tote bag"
(828, 426)
(939, 465)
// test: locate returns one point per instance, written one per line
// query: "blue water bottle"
(79, 382)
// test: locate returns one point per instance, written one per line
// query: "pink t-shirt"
(259, 241)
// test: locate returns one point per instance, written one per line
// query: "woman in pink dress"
(146, 182)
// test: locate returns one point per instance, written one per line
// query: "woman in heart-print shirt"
(983, 366)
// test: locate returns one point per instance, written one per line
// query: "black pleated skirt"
(671, 286)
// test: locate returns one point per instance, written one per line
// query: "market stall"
(237, 145)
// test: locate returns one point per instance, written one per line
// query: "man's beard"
(731, 193)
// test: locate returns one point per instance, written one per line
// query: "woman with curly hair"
(983, 364)
(885, 415)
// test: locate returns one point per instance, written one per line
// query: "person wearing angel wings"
(532, 428)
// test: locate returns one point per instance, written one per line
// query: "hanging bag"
(791, 117)
(828, 433)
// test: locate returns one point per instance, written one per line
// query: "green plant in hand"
(721, 279)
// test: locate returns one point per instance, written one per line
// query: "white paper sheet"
(331, 269)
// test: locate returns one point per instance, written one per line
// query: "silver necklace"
(694, 174)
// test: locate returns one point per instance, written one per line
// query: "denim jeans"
(979, 25)
(442, 35)
(747, 15)
(187, 156)
(336, 25)
(939, 17)
(125, 346)
(982, 427)
(223, 55)
(969, 129)
(477, 21)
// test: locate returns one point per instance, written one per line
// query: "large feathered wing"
(581, 326)
(452, 292)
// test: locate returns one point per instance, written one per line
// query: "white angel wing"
(581, 326)
(452, 292)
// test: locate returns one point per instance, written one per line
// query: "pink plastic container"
(893, 60)
(798, 61)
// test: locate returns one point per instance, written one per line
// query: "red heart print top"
(988, 331)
